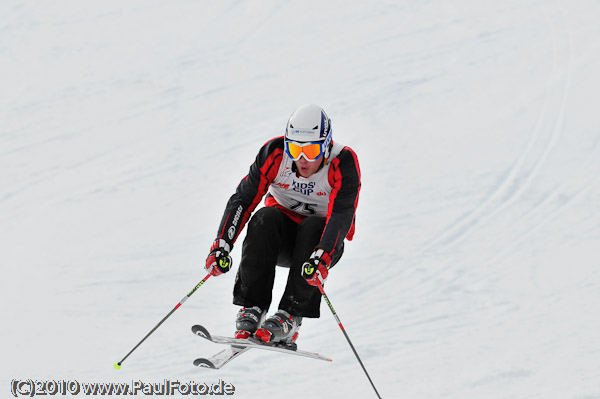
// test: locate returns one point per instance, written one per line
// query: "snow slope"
(125, 126)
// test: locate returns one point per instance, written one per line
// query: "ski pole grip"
(224, 262)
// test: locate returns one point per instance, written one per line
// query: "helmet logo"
(300, 132)
(324, 125)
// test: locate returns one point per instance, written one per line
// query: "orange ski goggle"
(311, 151)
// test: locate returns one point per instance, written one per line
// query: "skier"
(312, 185)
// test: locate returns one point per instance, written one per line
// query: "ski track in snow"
(473, 274)
(518, 179)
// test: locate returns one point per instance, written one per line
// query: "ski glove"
(218, 260)
(316, 269)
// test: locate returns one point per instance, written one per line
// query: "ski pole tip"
(117, 366)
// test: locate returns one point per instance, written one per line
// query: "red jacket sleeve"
(251, 190)
(344, 178)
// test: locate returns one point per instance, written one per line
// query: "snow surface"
(474, 273)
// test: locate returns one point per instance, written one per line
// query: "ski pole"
(320, 286)
(118, 364)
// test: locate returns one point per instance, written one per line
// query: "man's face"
(306, 168)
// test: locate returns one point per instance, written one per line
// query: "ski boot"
(247, 321)
(280, 329)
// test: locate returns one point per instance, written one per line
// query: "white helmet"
(310, 123)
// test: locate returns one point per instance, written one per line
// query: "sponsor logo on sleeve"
(231, 231)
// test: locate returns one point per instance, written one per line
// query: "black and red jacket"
(343, 177)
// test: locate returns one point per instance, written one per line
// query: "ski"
(244, 344)
(220, 359)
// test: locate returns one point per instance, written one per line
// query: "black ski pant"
(274, 239)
